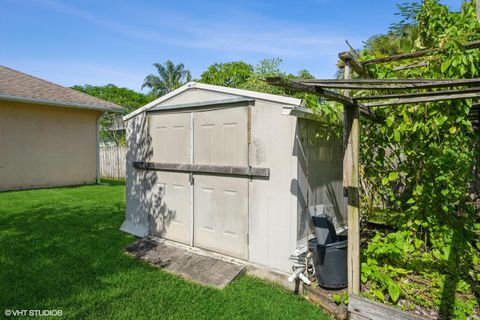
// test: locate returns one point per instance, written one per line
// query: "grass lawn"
(62, 249)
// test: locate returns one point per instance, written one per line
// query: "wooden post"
(351, 186)
(478, 10)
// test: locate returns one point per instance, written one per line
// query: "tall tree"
(169, 78)
(231, 74)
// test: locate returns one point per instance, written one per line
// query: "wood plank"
(317, 295)
(351, 185)
(417, 94)
(411, 55)
(388, 84)
(252, 172)
(411, 66)
(448, 97)
(354, 64)
(304, 86)
(377, 311)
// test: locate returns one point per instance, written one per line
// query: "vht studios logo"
(33, 313)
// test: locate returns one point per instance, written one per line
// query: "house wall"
(45, 146)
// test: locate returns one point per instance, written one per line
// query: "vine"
(417, 174)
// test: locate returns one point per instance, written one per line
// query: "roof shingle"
(18, 86)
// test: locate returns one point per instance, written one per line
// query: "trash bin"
(324, 229)
(330, 262)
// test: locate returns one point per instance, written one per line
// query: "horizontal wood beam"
(390, 84)
(410, 55)
(368, 309)
(448, 97)
(417, 94)
(411, 66)
(328, 95)
(303, 86)
(251, 172)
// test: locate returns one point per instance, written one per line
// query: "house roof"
(18, 86)
(208, 87)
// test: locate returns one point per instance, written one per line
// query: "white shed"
(230, 171)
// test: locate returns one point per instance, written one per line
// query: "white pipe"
(304, 279)
(295, 275)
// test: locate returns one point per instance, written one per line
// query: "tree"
(169, 78)
(231, 74)
(416, 169)
(129, 99)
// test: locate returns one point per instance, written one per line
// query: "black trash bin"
(330, 263)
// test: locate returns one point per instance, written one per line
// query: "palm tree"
(169, 78)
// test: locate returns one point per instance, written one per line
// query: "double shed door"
(212, 208)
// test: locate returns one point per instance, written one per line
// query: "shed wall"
(141, 198)
(272, 220)
(45, 146)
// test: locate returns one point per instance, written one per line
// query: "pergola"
(405, 91)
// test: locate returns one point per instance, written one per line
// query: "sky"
(96, 42)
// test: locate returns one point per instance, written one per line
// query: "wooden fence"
(113, 162)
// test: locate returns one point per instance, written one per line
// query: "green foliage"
(231, 74)
(417, 168)
(169, 78)
(241, 75)
(129, 99)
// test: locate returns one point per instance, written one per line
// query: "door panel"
(171, 195)
(170, 215)
(221, 214)
(221, 137)
(171, 137)
(221, 202)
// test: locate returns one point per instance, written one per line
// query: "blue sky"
(100, 42)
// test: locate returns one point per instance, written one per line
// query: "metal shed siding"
(272, 224)
(139, 183)
(195, 95)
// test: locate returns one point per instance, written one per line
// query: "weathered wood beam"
(354, 64)
(328, 95)
(417, 94)
(351, 159)
(411, 66)
(410, 55)
(474, 44)
(305, 87)
(252, 172)
(390, 84)
(448, 97)
(369, 309)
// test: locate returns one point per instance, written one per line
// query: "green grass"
(62, 249)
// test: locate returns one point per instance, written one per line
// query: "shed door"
(170, 216)
(221, 202)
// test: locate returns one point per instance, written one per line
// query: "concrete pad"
(177, 259)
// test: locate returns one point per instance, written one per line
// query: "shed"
(48, 133)
(230, 171)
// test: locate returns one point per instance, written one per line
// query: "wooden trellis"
(410, 91)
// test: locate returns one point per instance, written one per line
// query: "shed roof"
(18, 86)
(208, 87)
